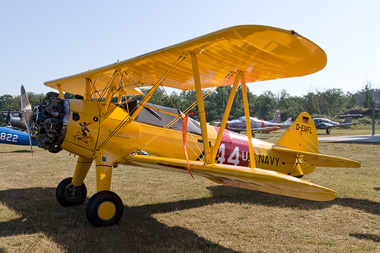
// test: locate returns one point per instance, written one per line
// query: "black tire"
(253, 135)
(68, 195)
(328, 130)
(103, 209)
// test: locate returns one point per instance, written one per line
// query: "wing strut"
(201, 107)
(112, 85)
(184, 131)
(60, 91)
(239, 77)
(252, 162)
(87, 95)
(225, 117)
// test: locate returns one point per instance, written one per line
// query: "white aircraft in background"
(258, 126)
(323, 123)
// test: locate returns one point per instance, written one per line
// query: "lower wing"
(242, 177)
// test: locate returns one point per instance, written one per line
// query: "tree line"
(330, 102)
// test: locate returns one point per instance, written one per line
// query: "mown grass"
(173, 212)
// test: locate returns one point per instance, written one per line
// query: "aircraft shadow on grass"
(16, 151)
(138, 230)
(369, 237)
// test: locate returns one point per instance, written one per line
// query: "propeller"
(27, 114)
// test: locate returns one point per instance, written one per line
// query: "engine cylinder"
(50, 121)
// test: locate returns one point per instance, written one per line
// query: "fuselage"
(15, 137)
(87, 130)
(257, 125)
(322, 123)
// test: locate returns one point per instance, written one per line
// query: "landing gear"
(69, 195)
(328, 130)
(253, 134)
(105, 208)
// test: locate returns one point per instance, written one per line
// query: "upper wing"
(262, 52)
(242, 177)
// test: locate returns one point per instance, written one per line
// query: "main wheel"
(328, 130)
(105, 208)
(69, 195)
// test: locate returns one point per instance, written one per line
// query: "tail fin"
(348, 119)
(277, 117)
(301, 136)
(288, 121)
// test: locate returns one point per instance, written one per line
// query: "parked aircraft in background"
(258, 126)
(15, 137)
(12, 132)
(324, 123)
(13, 121)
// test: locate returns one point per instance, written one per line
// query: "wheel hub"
(72, 193)
(106, 210)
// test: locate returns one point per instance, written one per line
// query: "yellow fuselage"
(90, 132)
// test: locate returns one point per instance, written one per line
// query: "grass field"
(169, 212)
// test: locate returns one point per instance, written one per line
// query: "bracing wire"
(104, 91)
(180, 59)
(317, 147)
(205, 95)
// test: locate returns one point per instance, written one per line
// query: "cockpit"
(161, 116)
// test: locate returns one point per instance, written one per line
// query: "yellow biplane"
(101, 125)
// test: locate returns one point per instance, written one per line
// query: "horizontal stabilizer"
(319, 160)
(242, 177)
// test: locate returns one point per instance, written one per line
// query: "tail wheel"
(69, 195)
(328, 130)
(105, 208)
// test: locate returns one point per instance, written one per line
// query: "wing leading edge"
(262, 52)
(242, 177)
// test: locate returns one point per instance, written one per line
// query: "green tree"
(266, 105)
(368, 97)
(352, 101)
(5, 102)
(311, 103)
(295, 107)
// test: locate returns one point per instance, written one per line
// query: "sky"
(46, 40)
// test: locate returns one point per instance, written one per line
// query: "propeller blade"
(8, 119)
(27, 114)
(30, 138)
(24, 100)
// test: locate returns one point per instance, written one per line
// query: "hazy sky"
(46, 40)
